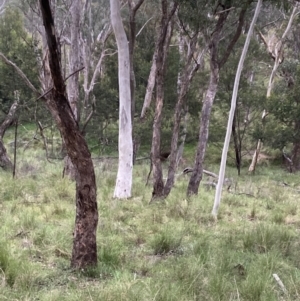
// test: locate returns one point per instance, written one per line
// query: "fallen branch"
(280, 283)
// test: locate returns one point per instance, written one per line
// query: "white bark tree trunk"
(124, 176)
(232, 111)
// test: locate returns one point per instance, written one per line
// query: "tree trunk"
(153, 73)
(232, 113)
(215, 66)
(150, 86)
(162, 49)
(5, 161)
(84, 244)
(197, 173)
(124, 176)
(180, 149)
(184, 81)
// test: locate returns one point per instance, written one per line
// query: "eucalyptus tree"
(167, 14)
(124, 176)
(232, 113)
(84, 244)
(191, 58)
(221, 16)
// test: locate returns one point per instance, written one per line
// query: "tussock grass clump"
(264, 238)
(166, 241)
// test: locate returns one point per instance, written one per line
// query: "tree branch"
(19, 71)
(236, 35)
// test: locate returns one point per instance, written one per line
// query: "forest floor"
(163, 251)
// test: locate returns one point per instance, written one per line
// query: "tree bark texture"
(162, 49)
(84, 243)
(124, 176)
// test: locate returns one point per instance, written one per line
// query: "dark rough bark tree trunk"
(5, 161)
(84, 244)
(158, 184)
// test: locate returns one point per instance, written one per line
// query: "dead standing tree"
(84, 244)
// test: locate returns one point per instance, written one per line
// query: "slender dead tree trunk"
(5, 161)
(232, 112)
(124, 176)
(277, 54)
(161, 57)
(84, 244)
(215, 66)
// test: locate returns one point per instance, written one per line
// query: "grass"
(169, 251)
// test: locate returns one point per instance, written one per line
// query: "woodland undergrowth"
(167, 250)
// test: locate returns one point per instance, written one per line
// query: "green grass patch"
(170, 250)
